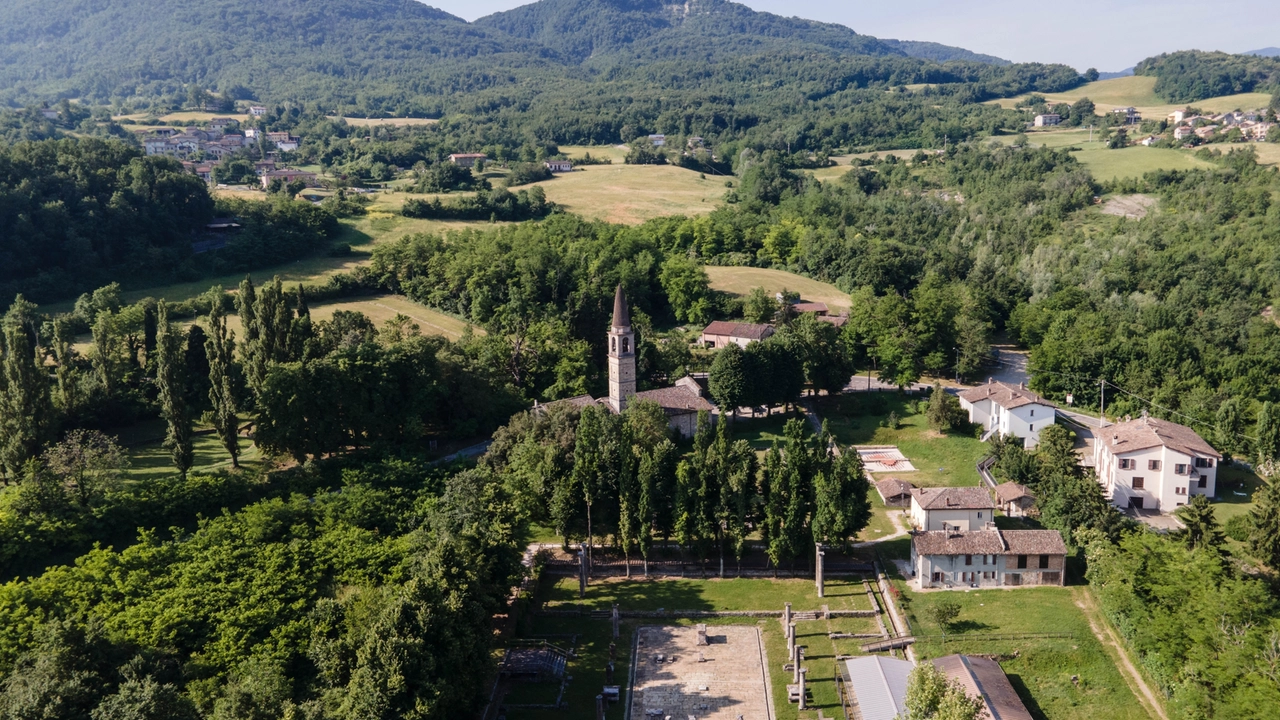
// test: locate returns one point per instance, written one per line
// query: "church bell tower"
(622, 355)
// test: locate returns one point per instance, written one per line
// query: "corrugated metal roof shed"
(879, 685)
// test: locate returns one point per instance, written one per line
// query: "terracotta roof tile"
(1149, 432)
(750, 331)
(952, 498)
(989, 542)
(890, 487)
(983, 678)
(1010, 491)
(1003, 394)
(677, 399)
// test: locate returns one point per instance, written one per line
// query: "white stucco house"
(1009, 410)
(1154, 464)
(951, 508)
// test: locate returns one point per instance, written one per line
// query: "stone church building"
(681, 402)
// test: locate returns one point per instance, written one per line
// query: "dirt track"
(1150, 699)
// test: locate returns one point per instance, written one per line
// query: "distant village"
(1190, 126)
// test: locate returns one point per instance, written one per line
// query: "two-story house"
(1154, 464)
(1009, 410)
(953, 508)
(987, 558)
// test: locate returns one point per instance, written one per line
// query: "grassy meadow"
(1139, 92)
(742, 280)
(1106, 164)
(1074, 678)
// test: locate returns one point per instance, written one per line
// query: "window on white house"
(1179, 491)
(1153, 464)
(1202, 482)
(1033, 412)
(1127, 464)
(1204, 462)
(1139, 483)
(1180, 469)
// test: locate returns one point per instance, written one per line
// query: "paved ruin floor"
(729, 683)
(884, 458)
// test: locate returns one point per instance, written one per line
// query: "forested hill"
(396, 56)
(587, 28)
(99, 50)
(1191, 75)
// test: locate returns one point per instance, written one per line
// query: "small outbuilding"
(895, 492)
(983, 678)
(1014, 500)
(720, 334)
(559, 166)
(878, 685)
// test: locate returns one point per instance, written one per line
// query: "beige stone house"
(987, 558)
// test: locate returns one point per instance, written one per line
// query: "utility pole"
(1102, 404)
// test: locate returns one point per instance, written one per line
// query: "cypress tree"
(727, 380)
(27, 407)
(1268, 434)
(219, 347)
(255, 369)
(68, 382)
(171, 381)
(1264, 539)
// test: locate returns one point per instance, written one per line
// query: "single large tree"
(171, 382)
(727, 380)
(1202, 529)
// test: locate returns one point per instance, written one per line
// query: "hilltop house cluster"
(202, 149)
(1144, 466)
(1251, 124)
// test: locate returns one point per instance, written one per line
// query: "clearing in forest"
(742, 280)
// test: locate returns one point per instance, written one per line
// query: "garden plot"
(884, 459)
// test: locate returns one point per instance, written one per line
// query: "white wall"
(1164, 489)
(934, 519)
(1025, 422)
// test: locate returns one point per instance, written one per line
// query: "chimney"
(1022, 385)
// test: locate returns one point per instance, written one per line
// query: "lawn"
(1041, 669)
(1106, 164)
(382, 308)
(742, 280)
(150, 461)
(362, 234)
(1139, 92)
(880, 525)
(710, 594)
(1236, 485)
(616, 153)
(593, 636)
(940, 459)
(632, 194)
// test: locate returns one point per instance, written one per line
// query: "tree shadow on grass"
(970, 626)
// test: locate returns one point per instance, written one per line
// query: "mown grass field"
(742, 280)
(1106, 164)
(697, 594)
(940, 459)
(1139, 92)
(381, 308)
(632, 194)
(152, 461)
(1040, 669)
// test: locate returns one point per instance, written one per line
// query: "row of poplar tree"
(142, 360)
(622, 479)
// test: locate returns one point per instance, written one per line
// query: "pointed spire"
(621, 316)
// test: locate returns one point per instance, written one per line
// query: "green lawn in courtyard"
(940, 459)
(1041, 669)
(710, 594)
(880, 526)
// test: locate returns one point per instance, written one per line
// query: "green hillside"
(588, 28)
(1192, 75)
(402, 57)
(99, 51)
